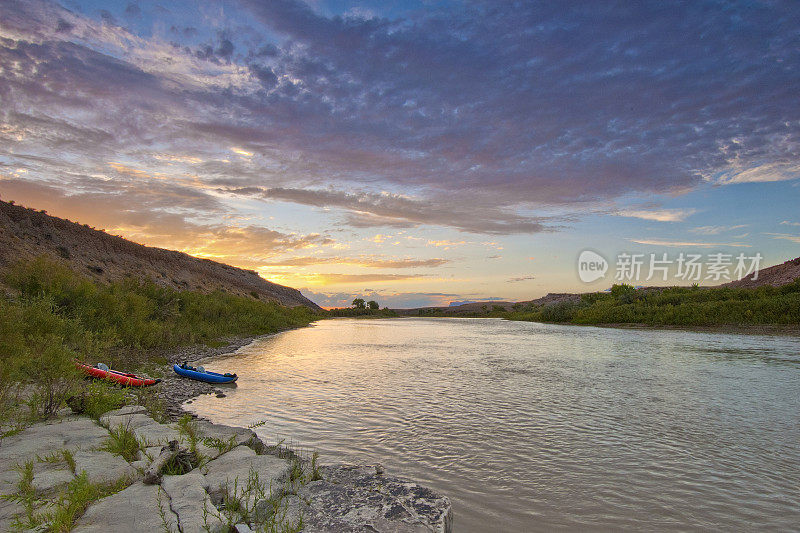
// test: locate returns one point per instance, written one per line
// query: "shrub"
(96, 399)
(122, 441)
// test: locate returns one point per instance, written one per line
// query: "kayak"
(129, 380)
(200, 374)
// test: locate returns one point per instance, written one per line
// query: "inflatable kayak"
(103, 372)
(201, 374)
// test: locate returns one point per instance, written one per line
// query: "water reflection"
(532, 427)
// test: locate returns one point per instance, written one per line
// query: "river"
(535, 427)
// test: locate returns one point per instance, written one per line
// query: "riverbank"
(74, 473)
(175, 390)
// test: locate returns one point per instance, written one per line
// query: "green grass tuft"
(122, 441)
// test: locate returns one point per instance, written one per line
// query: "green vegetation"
(679, 306)
(64, 456)
(122, 441)
(221, 445)
(54, 316)
(362, 308)
(253, 502)
(187, 427)
(96, 398)
(71, 503)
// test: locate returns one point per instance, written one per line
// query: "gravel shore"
(174, 390)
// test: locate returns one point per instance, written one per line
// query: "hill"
(26, 233)
(775, 276)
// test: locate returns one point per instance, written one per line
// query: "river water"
(535, 427)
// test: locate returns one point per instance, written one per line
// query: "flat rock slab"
(235, 467)
(122, 411)
(102, 467)
(190, 501)
(45, 438)
(224, 433)
(133, 510)
(47, 477)
(356, 498)
(8, 511)
(145, 428)
(8, 478)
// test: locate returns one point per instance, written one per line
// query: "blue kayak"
(200, 374)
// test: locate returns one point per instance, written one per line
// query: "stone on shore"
(49, 477)
(190, 501)
(102, 467)
(145, 428)
(347, 498)
(357, 498)
(71, 433)
(8, 512)
(233, 469)
(135, 509)
(224, 433)
(122, 411)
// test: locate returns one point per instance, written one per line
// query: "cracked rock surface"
(240, 484)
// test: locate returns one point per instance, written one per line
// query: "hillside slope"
(775, 275)
(26, 233)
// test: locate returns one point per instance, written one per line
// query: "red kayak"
(129, 380)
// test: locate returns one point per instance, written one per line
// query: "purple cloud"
(480, 116)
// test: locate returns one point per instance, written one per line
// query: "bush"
(684, 306)
(58, 316)
(95, 399)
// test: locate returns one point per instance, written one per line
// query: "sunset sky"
(412, 152)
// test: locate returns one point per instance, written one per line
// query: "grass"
(254, 502)
(122, 441)
(74, 501)
(183, 463)
(187, 427)
(61, 514)
(96, 399)
(25, 495)
(58, 457)
(54, 315)
(676, 306)
(221, 445)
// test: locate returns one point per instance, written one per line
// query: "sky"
(412, 152)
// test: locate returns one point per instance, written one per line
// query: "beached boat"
(202, 374)
(123, 378)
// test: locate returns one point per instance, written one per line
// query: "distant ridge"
(776, 276)
(27, 233)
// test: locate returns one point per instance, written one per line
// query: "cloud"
(147, 216)
(790, 223)
(660, 215)
(446, 244)
(785, 236)
(480, 116)
(343, 279)
(768, 172)
(386, 209)
(716, 230)
(656, 242)
(362, 261)
(520, 278)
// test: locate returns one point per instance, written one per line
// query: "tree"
(372, 304)
(359, 303)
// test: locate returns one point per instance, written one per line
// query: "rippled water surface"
(531, 427)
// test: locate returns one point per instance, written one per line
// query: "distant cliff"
(26, 233)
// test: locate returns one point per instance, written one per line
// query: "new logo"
(591, 266)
